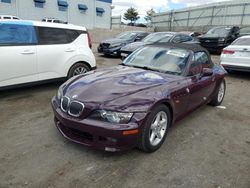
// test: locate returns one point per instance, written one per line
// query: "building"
(88, 13)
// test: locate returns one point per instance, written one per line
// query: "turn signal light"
(228, 52)
(135, 131)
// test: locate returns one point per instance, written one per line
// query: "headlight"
(221, 39)
(112, 117)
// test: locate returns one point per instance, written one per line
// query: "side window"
(186, 38)
(202, 58)
(52, 36)
(177, 39)
(73, 34)
(200, 61)
(16, 34)
(195, 68)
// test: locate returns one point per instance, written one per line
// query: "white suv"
(36, 51)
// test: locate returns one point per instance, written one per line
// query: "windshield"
(156, 37)
(245, 30)
(221, 31)
(126, 35)
(167, 60)
(242, 42)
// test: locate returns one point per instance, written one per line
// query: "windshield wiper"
(150, 68)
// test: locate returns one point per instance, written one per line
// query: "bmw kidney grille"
(74, 108)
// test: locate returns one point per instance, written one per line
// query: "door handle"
(27, 52)
(70, 50)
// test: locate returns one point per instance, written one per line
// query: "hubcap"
(79, 70)
(221, 92)
(158, 128)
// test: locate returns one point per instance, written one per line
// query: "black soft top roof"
(192, 47)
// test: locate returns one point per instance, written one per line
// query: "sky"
(158, 5)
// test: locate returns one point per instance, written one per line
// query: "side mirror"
(206, 72)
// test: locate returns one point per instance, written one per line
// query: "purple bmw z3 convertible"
(135, 103)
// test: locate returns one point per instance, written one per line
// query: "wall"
(100, 34)
(25, 9)
(202, 18)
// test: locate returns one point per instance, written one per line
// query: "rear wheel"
(155, 130)
(218, 98)
(77, 69)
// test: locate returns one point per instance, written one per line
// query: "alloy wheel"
(79, 70)
(221, 92)
(158, 128)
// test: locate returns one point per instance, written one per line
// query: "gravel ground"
(210, 148)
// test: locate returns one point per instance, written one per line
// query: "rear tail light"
(89, 40)
(228, 52)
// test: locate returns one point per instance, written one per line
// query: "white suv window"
(15, 34)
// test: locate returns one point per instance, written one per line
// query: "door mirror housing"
(206, 72)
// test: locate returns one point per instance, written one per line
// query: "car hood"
(210, 36)
(133, 46)
(114, 41)
(119, 86)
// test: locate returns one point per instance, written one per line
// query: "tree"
(131, 15)
(149, 15)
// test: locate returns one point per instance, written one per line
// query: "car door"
(200, 87)
(54, 51)
(17, 53)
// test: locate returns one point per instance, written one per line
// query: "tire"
(146, 141)
(219, 96)
(77, 69)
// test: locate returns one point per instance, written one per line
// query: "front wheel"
(220, 93)
(77, 69)
(155, 130)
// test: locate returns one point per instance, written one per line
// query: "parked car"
(134, 104)
(244, 31)
(34, 51)
(218, 38)
(54, 20)
(192, 33)
(159, 37)
(113, 46)
(8, 17)
(237, 55)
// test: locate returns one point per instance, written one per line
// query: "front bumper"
(109, 51)
(213, 47)
(95, 134)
